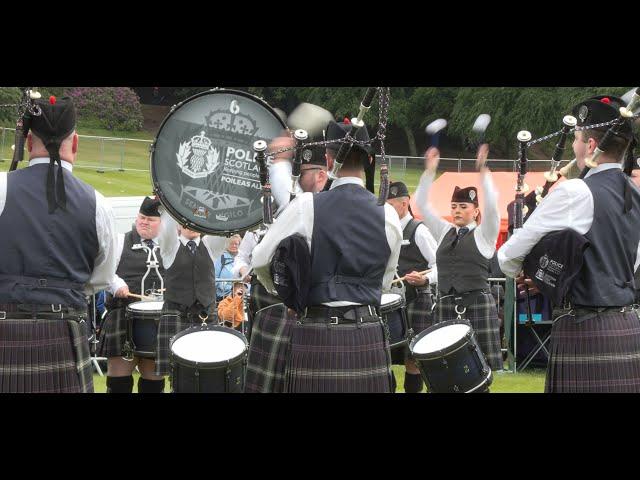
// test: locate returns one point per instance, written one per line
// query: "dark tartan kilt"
(44, 356)
(268, 350)
(260, 298)
(113, 334)
(171, 323)
(338, 359)
(420, 317)
(483, 316)
(596, 355)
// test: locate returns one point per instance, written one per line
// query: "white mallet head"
(481, 123)
(309, 117)
(435, 126)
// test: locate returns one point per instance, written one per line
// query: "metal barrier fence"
(116, 153)
(96, 152)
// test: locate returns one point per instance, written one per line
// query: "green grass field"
(531, 381)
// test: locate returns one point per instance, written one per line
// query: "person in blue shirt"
(224, 267)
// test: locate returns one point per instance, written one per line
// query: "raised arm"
(434, 222)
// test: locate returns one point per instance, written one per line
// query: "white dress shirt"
(568, 205)
(485, 234)
(426, 244)
(117, 281)
(104, 266)
(280, 179)
(170, 241)
(298, 218)
(245, 250)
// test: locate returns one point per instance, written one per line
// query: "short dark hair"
(618, 145)
(355, 160)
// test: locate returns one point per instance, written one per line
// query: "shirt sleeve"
(434, 222)
(168, 239)
(104, 266)
(117, 282)
(568, 205)
(215, 246)
(393, 231)
(486, 234)
(243, 258)
(280, 178)
(428, 248)
(297, 218)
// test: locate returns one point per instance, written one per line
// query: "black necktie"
(192, 247)
(461, 233)
(149, 243)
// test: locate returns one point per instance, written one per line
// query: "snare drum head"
(441, 338)
(208, 346)
(202, 161)
(146, 306)
(390, 301)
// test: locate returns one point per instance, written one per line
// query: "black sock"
(412, 382)
(120, 384)
(150, 386)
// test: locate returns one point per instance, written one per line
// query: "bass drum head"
(202, 160)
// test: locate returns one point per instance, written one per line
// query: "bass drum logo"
(198, 158)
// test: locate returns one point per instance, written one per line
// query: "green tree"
(9, 96)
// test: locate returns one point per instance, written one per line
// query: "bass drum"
(203, 165)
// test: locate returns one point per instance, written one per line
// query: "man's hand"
(525, 283)
(279, 143)
(416, 279)
(122, 292)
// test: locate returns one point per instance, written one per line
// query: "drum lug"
(445, 363)
(152, 147)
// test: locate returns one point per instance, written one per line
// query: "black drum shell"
(227, 376)
(143, 331)
(458, 368)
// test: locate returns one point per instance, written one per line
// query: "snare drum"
(202, 160)
(450, 359)
(142, 327)
(208, 359)
(394, 315)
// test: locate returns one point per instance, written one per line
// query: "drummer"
(418, 254)
(190, 282)
(465, 249)
(132, 266)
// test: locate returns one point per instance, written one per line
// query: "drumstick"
(141, 297)
(402, 278)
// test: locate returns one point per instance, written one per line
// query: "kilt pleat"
(171, 323)
(268, 350)
(260, 298)
(113, 334)
(419, 313)
(340, 359)
(596, 355)
(483, 316)
(44, 356)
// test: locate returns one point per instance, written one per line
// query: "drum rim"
(143, 312)
(205, 328)
(154, 182)
(445, 351)
(390, 307)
